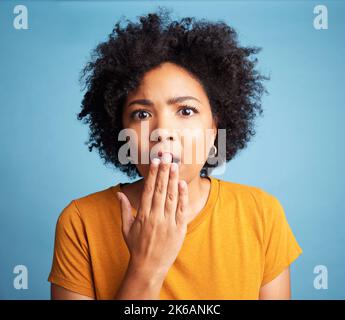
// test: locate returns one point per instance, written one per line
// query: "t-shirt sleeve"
(280, 245)
(71, 267)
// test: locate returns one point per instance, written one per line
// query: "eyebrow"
(170, 101)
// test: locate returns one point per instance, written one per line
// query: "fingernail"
(167, 157)
(156, 161)
(173, 167)
(183, 184)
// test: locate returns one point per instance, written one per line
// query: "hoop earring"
(214, 153)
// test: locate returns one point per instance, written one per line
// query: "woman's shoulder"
(91, 204)
(259, 197)
(254, 204)
(100, 197)
(243, 189)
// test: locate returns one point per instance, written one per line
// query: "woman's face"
(174, 109)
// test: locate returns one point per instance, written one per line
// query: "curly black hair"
(208, 50)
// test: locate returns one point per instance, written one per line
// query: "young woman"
(176, 233)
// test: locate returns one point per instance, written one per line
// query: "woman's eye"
(139, 114)
(188, 111)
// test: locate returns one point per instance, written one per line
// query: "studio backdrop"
(297, 153)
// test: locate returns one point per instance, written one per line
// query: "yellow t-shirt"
(240, 241)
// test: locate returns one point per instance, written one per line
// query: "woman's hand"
(155, 236)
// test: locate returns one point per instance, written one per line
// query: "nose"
(165, 130)
(165, 135)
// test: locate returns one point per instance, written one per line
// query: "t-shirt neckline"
(207, 209)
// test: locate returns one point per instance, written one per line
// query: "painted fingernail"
(156, 161)
(173, 167)
(167, 157)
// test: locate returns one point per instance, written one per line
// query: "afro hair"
(208, 50)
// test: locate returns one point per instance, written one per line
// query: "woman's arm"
(137, 285)
(278, 288)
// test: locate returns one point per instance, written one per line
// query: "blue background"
(297, 155)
